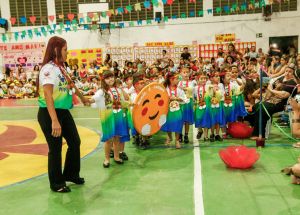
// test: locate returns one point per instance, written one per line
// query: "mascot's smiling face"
(150, 110)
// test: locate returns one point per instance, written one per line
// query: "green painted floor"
(160, 180)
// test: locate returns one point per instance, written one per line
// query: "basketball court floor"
(159, 180)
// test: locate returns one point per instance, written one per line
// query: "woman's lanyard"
(201, 92)
(71, 86)
(171, 92)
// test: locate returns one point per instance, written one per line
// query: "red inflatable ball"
(239, 130)
(239, 157)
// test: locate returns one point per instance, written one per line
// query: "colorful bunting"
(13, 20)
(32, 19)
(137, 7)
(23, 19)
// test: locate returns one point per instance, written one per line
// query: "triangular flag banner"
(4, 39)
(68, 23)
(81, 20)
(30, 34)
(232, 10)
(250, 7)
(112, 12)
(183, 15)
(88, 19)
(148, 21)
(80, 15)
(51, 18)
(256, 5)
(121, 24)
(209, 11)
(16, 36)
(192, 13)
(192, 1)
(54, 26)
(131, 24)
(61, 25)
(44, 32)
(116, 12)
(71, 16)
(2, 21)
(226, 9)
(200, 13)
(61, 16)
(120, 10)
(52, 31)
(13, 20)
(139, 22)
(137, 7)
(74, 28)
(243, 7)
(32, 19)
(155, 3)
(9, 35)
(174, 17)
(218, 9)
(126, 11)
(233, 6)
(103, 26)
(147, 4)
(170, 2)
(23, 19)
(49, 28)
(67, 29)
(23, 35)
(157, 19)
(237, 9)
(129, 8)
(59, 31)
(108, 13)
(166, 18)
(74, 22)
(36, 31)
(262, 3)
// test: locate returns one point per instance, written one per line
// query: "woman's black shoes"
(119, 161)
(76, 180)
(123, 156)
(106, 165)
(64, 189)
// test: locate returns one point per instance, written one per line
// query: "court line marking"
(198, 195)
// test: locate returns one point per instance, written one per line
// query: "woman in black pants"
(55, 99)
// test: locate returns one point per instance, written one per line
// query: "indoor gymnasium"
(171, 107)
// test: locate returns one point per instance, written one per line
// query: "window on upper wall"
(234, 7)
(28, 8)
(183, 8)
(64, 7)
(134, 15)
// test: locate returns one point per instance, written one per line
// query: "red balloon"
(239, 157)
(239, 130)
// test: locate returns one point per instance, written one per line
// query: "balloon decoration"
(239, 130)
(150, 109)
(239, 157)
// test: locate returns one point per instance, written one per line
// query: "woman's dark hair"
(53, 50)
(53, 53)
